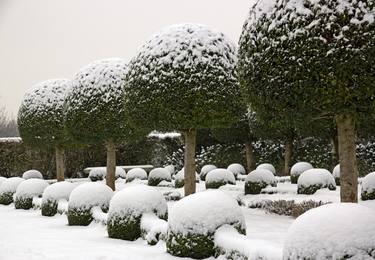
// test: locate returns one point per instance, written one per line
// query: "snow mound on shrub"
(368, 186)
(120, 173)
(298, 168)
(203, 212)
(180, 175)
(316, 177)
(332, 231)
(90, 194)
(30, 188)
(99, 173)
(267, 166)
(10, 185)
(207, 168)
(58, 190)
(136, 173)
(170, 168)
(2, 179)
(237, 169)
(261, 175)
(222, 176)
(32, 174)
(136, 200)
(158, 175)
(336, 171)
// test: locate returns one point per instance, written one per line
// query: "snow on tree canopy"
(90, 194)
(203, 212)
(180, 72)
(10, 185)
(237, 169)
(30, 188)
(41, 114)
(96, 102)
(58, 190)
(261, 175)
(137, 200)
(332, 231)
(136, 173)
(267, 166)
(32, 174)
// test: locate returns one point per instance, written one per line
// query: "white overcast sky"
(44, 39)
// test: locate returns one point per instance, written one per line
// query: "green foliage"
(126, 228)
(6, 198)
(23, 203)
(368, 195)
(311, 189)
(154, 181)
(255, 187)
(49, 207)
(217, 184)
(79, 217)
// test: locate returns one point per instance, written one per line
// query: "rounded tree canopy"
(309, 57)
(183, 78)
(41, 114)
(94, 106)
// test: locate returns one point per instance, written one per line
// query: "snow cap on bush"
(90, 194)
(332, 231)
(170, 168)
(30, 188)
(267, 166)
(136, 173)
(206, 169)
(314, 179)
(32, 174)
(368, 187)
(237, 169)
(2, 179)
(58, 190)
(158, 175)
(261, 175)
(99, 173)
(297, 169)
(219, 177)
(10, 185)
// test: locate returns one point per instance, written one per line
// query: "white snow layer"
(261, 175)
(316, 176)
(237, 169)
(101, 172)
(10, 185)
(180, 175)
(219, 175)
(32, 174)
(204, 212)
(170, 168)
(267, 166)
(2, 179)
(336, 171)
(160, 173)
(154, 227)
(136, 173)
(162, 136)
(58, 190)
(368, 183)
(207, 168)
(298, 168)
(31, 188)
(90, 194)
(136, 200)
(332, 231)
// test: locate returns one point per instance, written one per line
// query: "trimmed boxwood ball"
(127, 207)
(136, 173)
(170, 168)
(267, 166)
(219, 177)
(332, 231)
(237, 169)
(336, 174)
(194, 219)
(2, 179)
(83, 198)
(368, 187)
(53, 194)
(206, 169)
(314, 179)
(258, 180)
(8, 188)
(297, 169)
(32, 174)
(27, 190)
(179, 178)
(158, 175)
(97, 174)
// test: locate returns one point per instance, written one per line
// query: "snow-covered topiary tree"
(41, 119)
(183, 79)
(95, 110)
(308, 59)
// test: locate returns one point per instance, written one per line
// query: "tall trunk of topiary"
(288, 154)
(335, 150)
(250, 161)
(347, 154)
(189, 161)
(111, 164)
(60, 165)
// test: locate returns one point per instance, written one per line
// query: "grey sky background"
(43, 39)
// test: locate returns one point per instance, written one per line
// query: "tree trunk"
(111, 164)
(288, 155)
(250, 162)
(189, 161)
(60, 165)
(348, 161)
(335, 151)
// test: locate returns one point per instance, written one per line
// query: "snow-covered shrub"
(368, 187)
(170, 168)
(8, 188)
(267, 166)
(2, 179)
(179, 178)
(300, 208)
(314, 179)
(32, 174)
(127, 207)
(219, 177)
(120, 173)
(53, 194)
(336, 174)
(297, 169)
(206, 169)
(158, 175)
(258, 180)
(27, 190)
(237, 169)
(153, 228)
(136, 173)
(97, 173)
(194, 219)
(172, 195)
(83, 198)
(332, 231)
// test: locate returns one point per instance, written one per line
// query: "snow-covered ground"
(25, 234)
